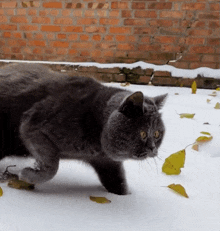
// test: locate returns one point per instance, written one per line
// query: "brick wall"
(154, 31)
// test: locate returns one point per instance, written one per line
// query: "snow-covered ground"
(63, 203)
(175, 72)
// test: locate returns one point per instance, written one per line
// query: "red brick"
(210, 58)
(165, 39)
(19, 19)
(37, 50)
(138, 5)
(147, 47)
(200, 32)
(28, 28)
(171, 14)
(66, 12)
(213, 41)
(109, 38)
(64, 21)
(160, 5)
(125, 46)
(95, 29)
(126, 13)
(54, 12)
(52, 4)
(210, 16)
(59, 44)
(16, 50)
(61, 51)
(83, 45)
(76, 29)
(38, 36)
(139, 22)
(72, 37)
(108, 21)
(96, 37)
(119, 5)
(41, 20)
(201, 49)
(3, 19)
(144, 30)
(145, 39)
(120, 38)
(103, 13)
(74, 5)
(17, 35)
(32, 12)
(89, 13)
(7, 34)
(51, 28)
(84, 37)
(37, 43)
(214, 6)
(194, 41)
(12, 4)
(87, 21)
(145, 14)
(61, 36)
(21, 11)
(214, 24)
(120, 30)
(161, 22)
(193, 6)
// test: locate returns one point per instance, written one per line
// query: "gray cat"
(55, 115)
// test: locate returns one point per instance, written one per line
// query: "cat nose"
(150, 144)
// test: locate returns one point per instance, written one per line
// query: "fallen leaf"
(186, 115)
(208, 100)
(179, 189)
(1, 192)
(125, 84)
(176, 93)
(195, 147)
(19, 184)
(203, 139)
(194, 87)
(218, 89)
(217, 106)
(206, 123)
(206, 133)
(174, 162)
(214, 93)
(100, 200)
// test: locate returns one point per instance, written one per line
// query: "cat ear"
(160, 100)
(133, 105)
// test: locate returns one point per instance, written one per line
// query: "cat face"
(135, 130)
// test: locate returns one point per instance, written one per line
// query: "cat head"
(135, 130)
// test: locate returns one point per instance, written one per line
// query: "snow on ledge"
(175, 72)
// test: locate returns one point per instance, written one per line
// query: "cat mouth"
(144, 155)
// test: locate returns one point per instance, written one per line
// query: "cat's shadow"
(68, 189)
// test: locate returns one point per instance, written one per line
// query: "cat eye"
(143, 134)
(156, 134)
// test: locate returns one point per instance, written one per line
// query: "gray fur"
(54, 115)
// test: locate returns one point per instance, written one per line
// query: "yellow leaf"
(100, 200)
(203, 139)
(194, 87)
(19, 184)
(174, 162)
(208, 100)
(218, 89)
(206, 133)
(217, 106)
(179, 189)
(195, 147)
(186, 115)
(1, 192)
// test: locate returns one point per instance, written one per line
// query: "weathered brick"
(138, 5)
(76, 29)
(160, 5)
(59, 44)
(36, 43)
(131, 22)
(51, 28)
(19, 19)
(119, 5)
(52, 4)
(145, 14)
(120, 30)
(41, 20)
(11, 4)
(63, 21)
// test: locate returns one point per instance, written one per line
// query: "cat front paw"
(118, 189)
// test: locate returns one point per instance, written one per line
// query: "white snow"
(63, 203)
(175, 72)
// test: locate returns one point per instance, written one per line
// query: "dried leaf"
(187, 115)
(217, 106)
(176, 93)
(195, 147)
(214, 93)
(208, 100)
(174, 162)
(218, 89)
(125, 84)
(206, 133)
(100, 200)
(1, 192)
(179, 189)
(203, 139)
(194, 87)
(19, 184)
